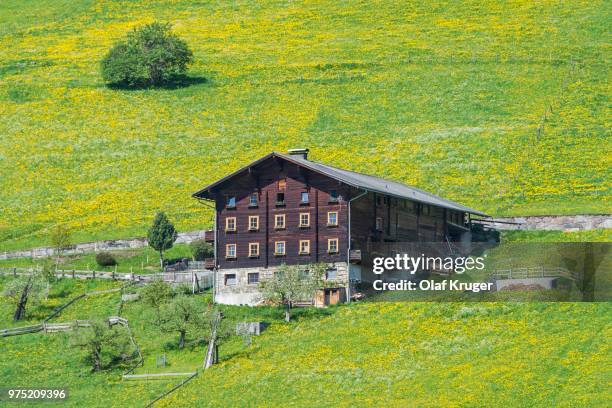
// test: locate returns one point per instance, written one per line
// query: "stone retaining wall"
(554, 222)
(109, 245)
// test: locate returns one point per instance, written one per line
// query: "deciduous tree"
(292, 283)
(26, 290)
(105, 345)
(183, 315)
(150, 56)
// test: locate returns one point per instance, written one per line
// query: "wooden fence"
(171, 390)
(535, 272)
(57, 327)
(201, 279)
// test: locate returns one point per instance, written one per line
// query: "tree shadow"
(177, 82)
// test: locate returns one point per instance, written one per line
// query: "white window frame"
(278, 217)
(329, 246)
(307, 224)
(251, 254)
(256, 218)
(227, 251)
(276, 248)
(329, 223)
(227, 222)
(307, 251)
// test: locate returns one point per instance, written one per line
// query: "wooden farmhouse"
(287, 209)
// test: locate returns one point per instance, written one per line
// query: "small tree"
(182, 315)
(151, 55)
(161, 235)
(25, 290)
(293, 283)
(60, 239)
(105, 345)
(200, 250)
(155, 294)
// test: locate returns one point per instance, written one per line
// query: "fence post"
(73, 274)
(94, 274)
(14, 272)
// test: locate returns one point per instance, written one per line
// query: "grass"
(371, 353)
(138, 260)
(596, 235)
(442, 95)
(49, 360)
(421, 354)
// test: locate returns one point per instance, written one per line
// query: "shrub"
(151, 56)
(105, 259)
(201, 250)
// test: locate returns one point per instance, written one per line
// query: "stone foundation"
(243, 293)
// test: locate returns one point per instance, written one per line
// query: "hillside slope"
(441, 95)
(421, 354)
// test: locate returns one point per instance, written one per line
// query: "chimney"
(299, 153)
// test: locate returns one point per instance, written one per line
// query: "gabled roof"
(354, 179)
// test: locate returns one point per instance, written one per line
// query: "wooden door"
(334, 296)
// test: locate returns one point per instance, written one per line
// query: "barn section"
(366, 210)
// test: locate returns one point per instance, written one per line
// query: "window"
(378, 201)
(333, 196)
(304, 197)
(304, 220)
(379, 224)
(331, 273)
(231, 202)
(304, 247)
(253, 200)
(332, 245)
(253, 222)
(230, 251)
(332, 218)
(282, 184)
(280, 198)
(279, 221)
(230, 224)
(253, 278)
(253, 249)
(230, 279)
(279, 248)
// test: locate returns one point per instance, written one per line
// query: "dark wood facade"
(276, 186)
(270, 180)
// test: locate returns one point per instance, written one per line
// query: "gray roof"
(361, 181)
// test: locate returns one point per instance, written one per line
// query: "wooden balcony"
(209, 263)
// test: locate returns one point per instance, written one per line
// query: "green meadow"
(426, 354)
(442, 95)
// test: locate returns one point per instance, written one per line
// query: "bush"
(105, 259)
(151, 56)
(201, 250)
